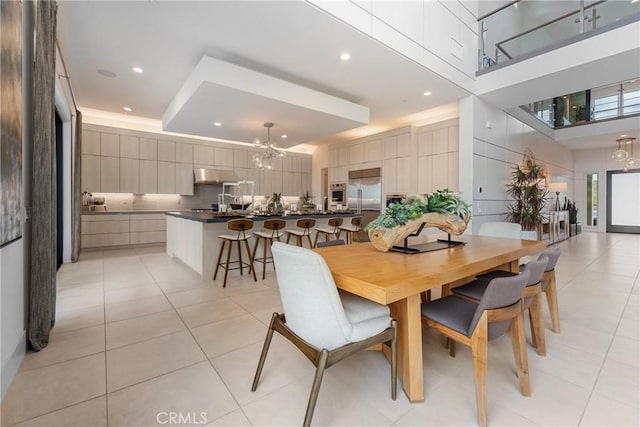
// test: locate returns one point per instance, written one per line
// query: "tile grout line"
(607, 353)
(201, 349)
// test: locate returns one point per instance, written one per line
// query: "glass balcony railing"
(524, 28)
(592, 105)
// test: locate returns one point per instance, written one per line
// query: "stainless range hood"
(213, 176)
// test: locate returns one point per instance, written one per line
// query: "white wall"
(499, 142)
(441, 35)
(12, 310)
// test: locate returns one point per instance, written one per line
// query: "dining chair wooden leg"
(552, 301)
(451, 345)
(219, 258)
(263, 355)
(479, 353)
(288, 238)
(315, 241)
(519, 346)
(394, 361)
(537, 325)
(311, 246)
(315, 388)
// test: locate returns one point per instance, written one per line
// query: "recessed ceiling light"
(283, 136)
(624, 136)
(106, 73)
(137, 69)
(127, 109)
(345, 56)
(217, 124)
(427, 93)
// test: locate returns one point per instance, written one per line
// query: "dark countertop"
(127, 212)
(212, 217)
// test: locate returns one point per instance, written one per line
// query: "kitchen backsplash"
(204, 196)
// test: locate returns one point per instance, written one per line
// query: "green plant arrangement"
(573, 210)
(443, 209)
(306, 200)
(528, 192)
(275, 203)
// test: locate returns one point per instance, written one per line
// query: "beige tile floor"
(140, 336)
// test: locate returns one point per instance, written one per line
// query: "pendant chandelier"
(625, 153)
(268, 151)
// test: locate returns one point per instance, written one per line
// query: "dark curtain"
(75, 188)
(42, 291)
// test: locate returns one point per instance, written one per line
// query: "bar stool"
(303, 229)
(276, 228)
(355, 227)
(332, 229)
(240, 226)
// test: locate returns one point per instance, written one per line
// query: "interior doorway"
(623, 201)
(59, 193)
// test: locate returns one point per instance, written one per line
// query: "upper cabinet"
(141, 163)
(166, 151)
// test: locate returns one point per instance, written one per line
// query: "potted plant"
(443, 209)
(306, 201)
(528, 192)
(573, 216)
(274, 205)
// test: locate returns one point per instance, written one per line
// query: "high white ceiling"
(287, 40)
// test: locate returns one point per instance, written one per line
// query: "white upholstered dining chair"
(326, 325)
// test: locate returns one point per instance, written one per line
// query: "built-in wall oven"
(338, 194)
(395, 198)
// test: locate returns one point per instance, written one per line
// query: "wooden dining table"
(398, 279)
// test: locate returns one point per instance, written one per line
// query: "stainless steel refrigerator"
(364, 196)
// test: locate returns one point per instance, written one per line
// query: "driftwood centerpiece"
(384, 238)
(443, 210)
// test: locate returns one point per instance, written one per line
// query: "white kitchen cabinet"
(440, 141)
(403, 145)
(333, 175)
(343, 174)
(90, 179)
(148, 149)
(373, 151)
(305, 164)
(390, 147)
(184, 153)
(425, 143)
(130, 176)
(276, 182)
(90, 142)
(148, 176)
(356, 154)
(240, 159)
(266, 183)
(166, 178)
(425, 171)
(109, 145)
(184, 179)
(203, 155)
(287, 183)
(440, 171)
(166, 151)
(389, 176)
(129, 147)
(296, 164)
(109, 174)
(343, 155)
(333, 156)
(305, 183)
(404, 175)
(224, 157)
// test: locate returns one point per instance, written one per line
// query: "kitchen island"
(192, 237)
